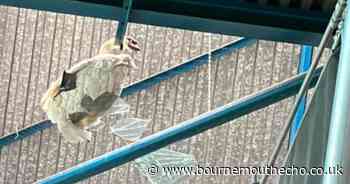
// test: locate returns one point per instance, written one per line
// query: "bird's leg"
(133, 43)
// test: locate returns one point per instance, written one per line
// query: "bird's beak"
(134, 47)
(133, 44)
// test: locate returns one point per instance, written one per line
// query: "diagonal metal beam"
(140, 85)
(304, 65)
(25, 132)
(186, 66)
(182, 131)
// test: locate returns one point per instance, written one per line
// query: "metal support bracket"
(123, 23)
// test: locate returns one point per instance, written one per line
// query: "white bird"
(88, 89)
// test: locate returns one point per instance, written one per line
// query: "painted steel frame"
(304, 65)
(235, 17)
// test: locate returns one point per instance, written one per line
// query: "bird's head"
(110, 46)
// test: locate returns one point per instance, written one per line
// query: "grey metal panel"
(314, 129)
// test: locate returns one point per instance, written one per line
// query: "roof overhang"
(216, 16)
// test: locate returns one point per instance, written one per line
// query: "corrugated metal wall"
(36, 46)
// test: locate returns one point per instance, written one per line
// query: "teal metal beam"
(144, 84)
(25, 132)
(304, 65)
(187, 66)
(182, 131)
(337, 153)
(237, 18)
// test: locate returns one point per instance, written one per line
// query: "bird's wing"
(58, 114)
(100, 105)
(109, 59)
(81, 65)
(94, 60)
(97, 76)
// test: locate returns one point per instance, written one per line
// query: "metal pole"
(182, 131)
(340, 117)
(187, 66)
(123, 23)
(304, 65)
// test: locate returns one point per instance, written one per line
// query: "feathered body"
(97, 84)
